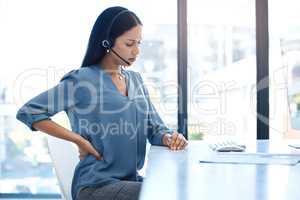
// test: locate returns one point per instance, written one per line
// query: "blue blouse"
(116, 125)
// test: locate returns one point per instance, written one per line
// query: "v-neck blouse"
(123, 72)
(116, 125)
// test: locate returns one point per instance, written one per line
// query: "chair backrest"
(64, 156)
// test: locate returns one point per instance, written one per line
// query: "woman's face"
(127, 46)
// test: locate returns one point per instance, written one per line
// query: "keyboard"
(228, 146)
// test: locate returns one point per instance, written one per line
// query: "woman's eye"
(129, 45)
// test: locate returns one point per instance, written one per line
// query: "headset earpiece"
(106, 44)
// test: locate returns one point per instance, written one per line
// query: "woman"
(109, 110)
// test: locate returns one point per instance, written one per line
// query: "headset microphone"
(123, 59)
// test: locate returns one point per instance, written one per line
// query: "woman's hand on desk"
(176, 141)
(85, 148)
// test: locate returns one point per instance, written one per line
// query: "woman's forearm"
(54, 129)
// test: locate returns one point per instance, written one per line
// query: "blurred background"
(40, 41)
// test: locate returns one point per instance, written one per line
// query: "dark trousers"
(122, 190)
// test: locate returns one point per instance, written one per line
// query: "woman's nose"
(136, 51)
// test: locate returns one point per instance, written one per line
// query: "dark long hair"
(95, 51)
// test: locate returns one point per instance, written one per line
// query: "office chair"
(64, 156)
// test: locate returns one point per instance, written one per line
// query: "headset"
(107, 43)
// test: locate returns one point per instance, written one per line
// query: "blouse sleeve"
(156, 126)
(50, 102)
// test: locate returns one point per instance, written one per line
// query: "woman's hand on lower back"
(85, 148)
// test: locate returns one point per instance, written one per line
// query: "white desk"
(179, 176)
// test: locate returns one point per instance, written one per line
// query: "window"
(284, 61)
(221, 69)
